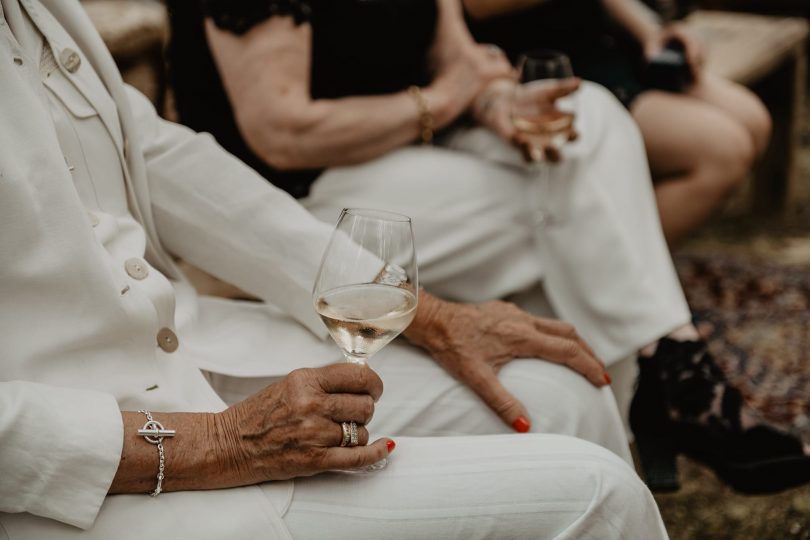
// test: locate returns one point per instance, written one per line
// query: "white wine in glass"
(366, 291)
(542, 124)
(363, 318)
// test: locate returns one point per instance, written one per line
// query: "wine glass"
(366, 290)
(541, 123)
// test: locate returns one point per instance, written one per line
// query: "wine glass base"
(352, 359)
(380, 465)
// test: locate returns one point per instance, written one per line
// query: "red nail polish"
(608, 380)
(521, 425)
(391, 445)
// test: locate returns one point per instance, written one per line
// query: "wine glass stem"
(354, 359)
(360, 360)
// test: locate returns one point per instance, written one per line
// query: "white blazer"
(74, 349)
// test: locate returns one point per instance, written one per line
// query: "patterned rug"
(756, 318)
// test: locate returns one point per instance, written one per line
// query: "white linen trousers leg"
(486, 487)
(459, 472)
(487, 225)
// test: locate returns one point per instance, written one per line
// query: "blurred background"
(747, 273)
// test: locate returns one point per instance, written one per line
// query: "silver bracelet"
(154, 432)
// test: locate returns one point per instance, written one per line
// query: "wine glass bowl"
(540, 123)
(363, 318)
(366, 290)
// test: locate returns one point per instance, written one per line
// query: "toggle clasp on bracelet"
(153, 431)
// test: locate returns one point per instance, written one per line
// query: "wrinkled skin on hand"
(465, 72)
(292, 428)
(493, 109)
(473, 342)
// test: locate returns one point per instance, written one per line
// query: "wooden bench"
(136, 32)
(796, 8)
(767, 54)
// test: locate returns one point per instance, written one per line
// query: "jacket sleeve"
(59, 451)
(220, 215)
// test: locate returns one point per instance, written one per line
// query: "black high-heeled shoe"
(675, 389)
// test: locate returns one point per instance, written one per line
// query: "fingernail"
(521, 425)
(608, 380)
(391, 445)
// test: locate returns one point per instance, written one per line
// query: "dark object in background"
(671, 10)
(669, 69)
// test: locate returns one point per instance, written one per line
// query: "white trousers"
(487, 225)
(459, 472)
(486, 487)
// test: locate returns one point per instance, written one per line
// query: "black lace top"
(359, 47)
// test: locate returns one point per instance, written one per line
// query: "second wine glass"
(542, 124)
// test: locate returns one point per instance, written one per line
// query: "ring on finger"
(347, 433)
(350, 434)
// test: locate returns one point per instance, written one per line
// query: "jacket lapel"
(73, 22)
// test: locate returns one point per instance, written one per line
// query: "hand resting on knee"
(473, 342)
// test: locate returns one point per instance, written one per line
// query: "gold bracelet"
(425, 116)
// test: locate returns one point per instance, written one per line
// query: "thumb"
(563, 87)
(500, 400)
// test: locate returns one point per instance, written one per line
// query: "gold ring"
(347, 433)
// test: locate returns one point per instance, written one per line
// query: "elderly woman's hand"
(472, 342)
(293, 427)
(493, 109)
(461, 74)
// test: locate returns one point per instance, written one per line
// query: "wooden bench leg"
(783, 91)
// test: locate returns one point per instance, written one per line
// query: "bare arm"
(633, 15)
(192, 467)
(289, 429)
(642, 22)
(266, 74)
(482, 9)
(645, 26)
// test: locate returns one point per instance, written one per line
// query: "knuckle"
(569, 331)
(306, 403)
(357, 459)
(368, 409)
(332, 409)
(307, 431)
(362, 377)
(504, 406)
(298, 376)
(570, 351)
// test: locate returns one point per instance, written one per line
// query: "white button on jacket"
(90, 334)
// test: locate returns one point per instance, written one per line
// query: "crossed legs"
(602, 258)
(701, 145)
(481, 487)
(456, 473)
